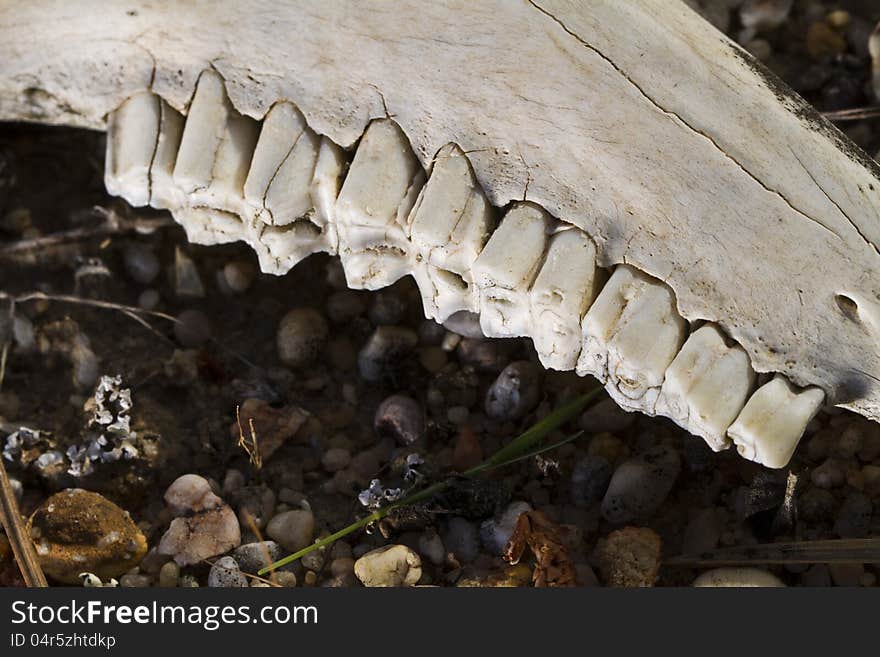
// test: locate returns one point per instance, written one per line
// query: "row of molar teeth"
(226, 177)
(287, 191)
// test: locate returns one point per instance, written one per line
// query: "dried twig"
(853, 114)
(846, 550)
(251, 447)
(19, 538)
(113, 224)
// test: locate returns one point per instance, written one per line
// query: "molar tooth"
(164, 194)
(281, 171)
(565, 287)
(768, 429)
(215, 150)
(449, 226)
(706, 386)
(132, 133)
(378, 193)
(630, 336)
(505, 269)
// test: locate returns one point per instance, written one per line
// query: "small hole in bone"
(848, 307)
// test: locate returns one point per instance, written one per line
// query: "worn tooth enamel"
(768, 429)
(283, 166)
(378, 193)
(505, 269)
(630, 336)
(449, 226)
(566, 285)
(706, 386)
(329, 172)
(215, 150)
(164, 193)
(132, 133)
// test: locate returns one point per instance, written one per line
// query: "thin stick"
(113, 225)
(19, 538)
(855, 114)
(861, 550)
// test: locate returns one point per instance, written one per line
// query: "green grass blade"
(520, 448)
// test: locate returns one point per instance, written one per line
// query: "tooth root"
(449, 226)
(768, 429)
(630, 336)
(378, 193)
(164, 194)
(215, 150)
(505, 269)
(706, 386)
(131, 143)
(566, 285)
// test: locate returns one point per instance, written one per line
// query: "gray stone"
(225, 573)
(496, 532)
(301, 336)
(293, 530)
(384, 349)
(392, 565)
(640, 485)
(252, 557)
(401, 418)
(460, 538)
(515, 392)
(589, 480)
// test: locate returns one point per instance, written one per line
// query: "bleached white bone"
(706, 386)
(774, 419)
(215, 150)
(566, 285)
(209, 226)
(378, 193)
(506, 268)
(132, 133)
(696, 167)
(630, 336)
(448, 226)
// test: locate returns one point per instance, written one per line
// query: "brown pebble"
(630, 557)
(468, 452)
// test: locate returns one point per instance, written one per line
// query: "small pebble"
(238, 276)
(433, 359)
(286, 579)
(589, 480)
(383, 351)
(461, 538)
(458, 415)
(342, 566)
(187, 281)
(392, 565)
(169, 575)
(301, 336)
(252, 557)
(336, 459)
(738, 577)
(225, 573)
(640, 485)
(401, 418)
(193, 328)
(467, 453)
(854, 516)
(431, 547)
(828, 475)
(141, 263)
(135, 581)
(496, 532)
(293, 530)
(846, 574)
(816, 505)
(344, 306)
(515, 392)
(629, 557)
(149, 299)
(387, 308)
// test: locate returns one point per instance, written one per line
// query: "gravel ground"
(251, 415)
